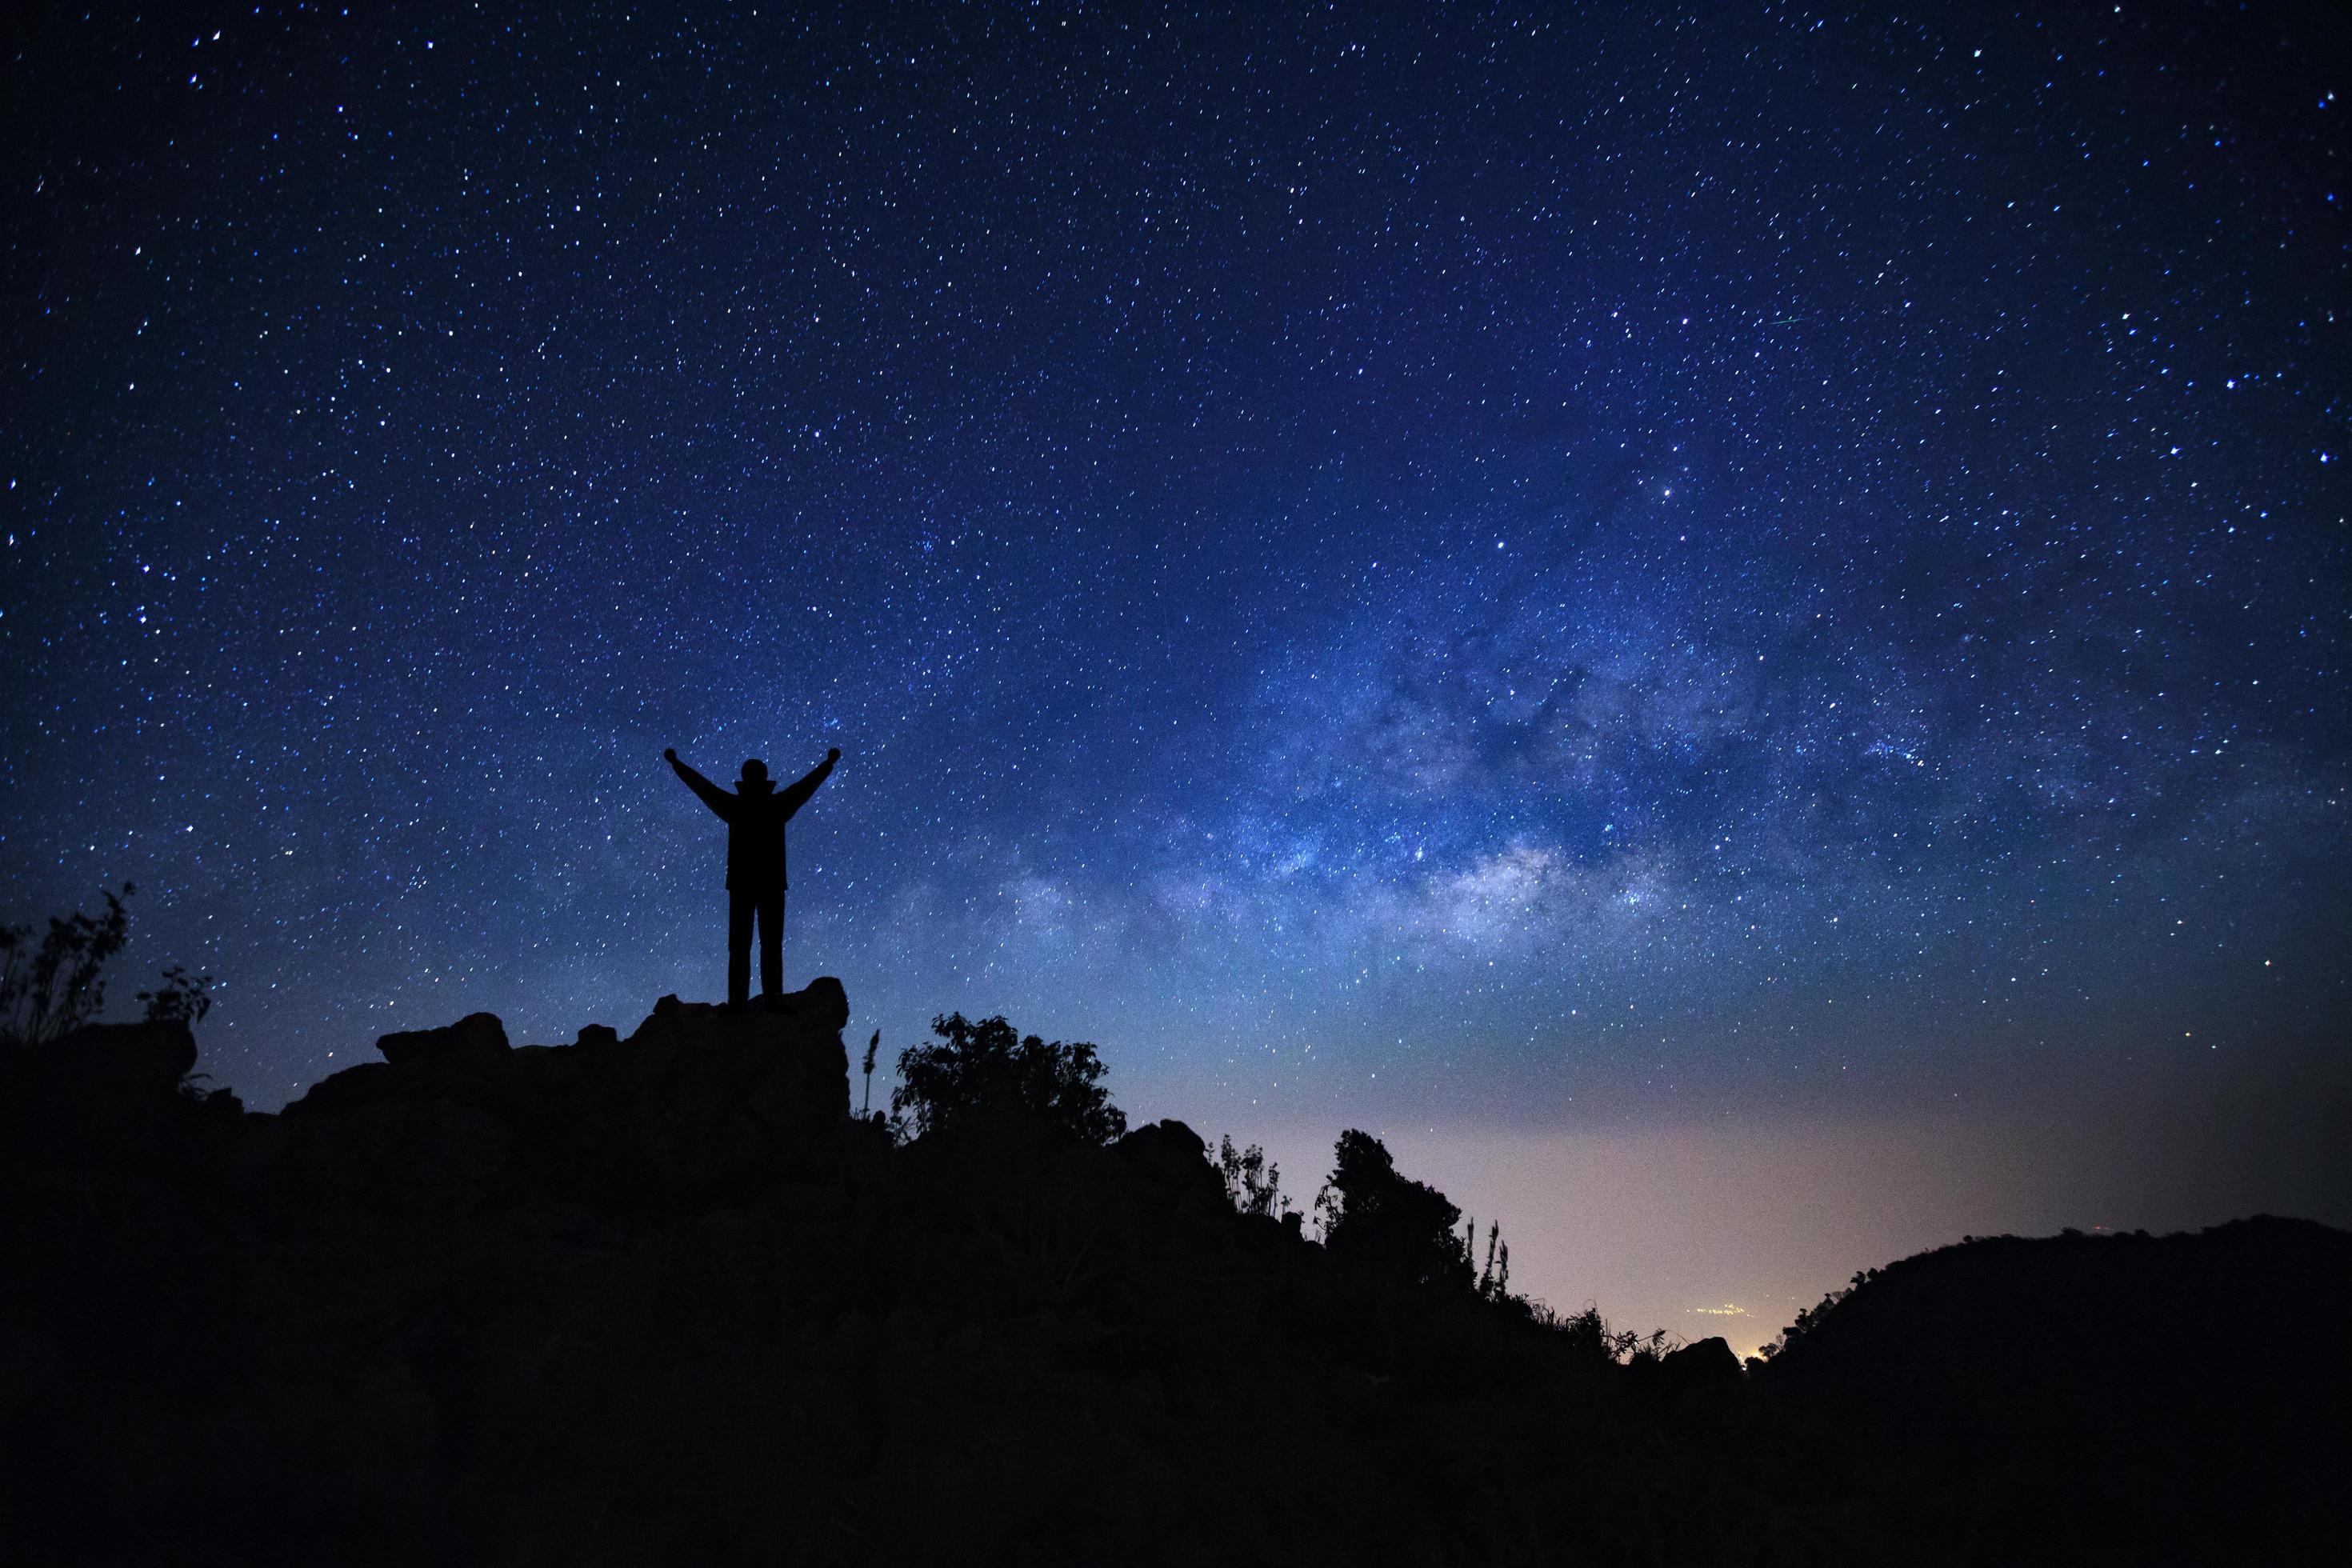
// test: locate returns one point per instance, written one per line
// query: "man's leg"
(772, 942)
(740, 905)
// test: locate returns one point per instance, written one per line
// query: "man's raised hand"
(669, 753)
(833, 755)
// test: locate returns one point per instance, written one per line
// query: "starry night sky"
(1729, 624)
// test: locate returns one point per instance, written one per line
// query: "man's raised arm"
(797, 796)
(717, 799)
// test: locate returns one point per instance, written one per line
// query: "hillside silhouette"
(2117, 1396)
(665, 1298)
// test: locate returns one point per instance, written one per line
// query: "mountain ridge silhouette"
(663, 1298)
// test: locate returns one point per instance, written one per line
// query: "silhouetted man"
(755, 817)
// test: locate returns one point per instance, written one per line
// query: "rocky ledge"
(697, 1101)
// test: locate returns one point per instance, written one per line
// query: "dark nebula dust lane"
(1730, 574)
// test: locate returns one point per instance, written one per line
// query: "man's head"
(755, 772)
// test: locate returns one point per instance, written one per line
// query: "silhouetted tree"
(1252, 1183)
(59, 986)
(1384, 1221)
(986, 1069)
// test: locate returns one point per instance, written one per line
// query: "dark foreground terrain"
(663, 1299)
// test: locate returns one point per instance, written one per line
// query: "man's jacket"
(755, 815)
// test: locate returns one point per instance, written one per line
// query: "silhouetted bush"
(56, 988)
(1389, 1223)
(1252, 1186)
(986, 1070)
(1590, 1337)
(49, 991)
(180, 997)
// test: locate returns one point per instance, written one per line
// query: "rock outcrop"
(700, 1100)
(102, 1094)
(474, 1043)
(112, 1067)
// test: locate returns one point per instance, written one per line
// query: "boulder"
(700, 1103)
(477, 1040)
(355, 1087)
(1704, 1369)
(99, 1091)
(467, 1060)
(819, 1009)
(142, 1061)
(823, 1005)
(1170, 1158)
(786, 1051)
